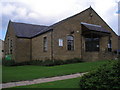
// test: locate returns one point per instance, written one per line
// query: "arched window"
(70, 43)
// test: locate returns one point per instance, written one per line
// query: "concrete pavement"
(41, 80)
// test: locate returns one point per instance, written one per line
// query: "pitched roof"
(94, 27)
(28, 30)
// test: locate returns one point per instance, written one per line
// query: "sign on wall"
(60, 42)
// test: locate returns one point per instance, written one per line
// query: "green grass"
(18, 73)
(68, 83)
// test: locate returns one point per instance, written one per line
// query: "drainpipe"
(118, 49)
(81, 46)
(31, 49)
(51, 44)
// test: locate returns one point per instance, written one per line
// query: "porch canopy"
(94, 30)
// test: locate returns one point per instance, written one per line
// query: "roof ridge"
(28, 24)
(70, 16)
(27, 30)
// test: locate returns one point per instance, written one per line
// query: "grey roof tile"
(28, 30)
(94, 27)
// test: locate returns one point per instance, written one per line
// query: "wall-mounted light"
(77, 31)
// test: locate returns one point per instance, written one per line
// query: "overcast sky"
(48, 12)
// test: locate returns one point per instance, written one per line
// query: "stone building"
(119, 44)
(1, 49)
(85, 35)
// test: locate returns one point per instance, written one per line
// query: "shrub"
(35, 62)
(47, 63)
(69, 61)
(21, 63)
(8, 62)
(59, 62)
(106, 76)
(43, 62)
(74, 60)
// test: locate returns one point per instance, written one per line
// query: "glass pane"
(69, 37)
(92, 44)
(70, 43)
(45, 44)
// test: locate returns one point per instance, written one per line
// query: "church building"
(85, 35)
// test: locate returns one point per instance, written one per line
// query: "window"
(92, 44)
(109, 45)
(45, 44)
(70, 43)
(10, 51)
(10, 46)
(2, 50)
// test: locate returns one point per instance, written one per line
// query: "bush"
(35, 62)
(54, 62)
(74, 60)
(8, 62)
(43, 62)
(106, 76)
(21, 63)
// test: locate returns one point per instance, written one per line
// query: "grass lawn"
(18, 73)
(68, 83)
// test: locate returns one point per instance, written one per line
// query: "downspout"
(118, 49)
(31, 49)
(81, 42)
(81, 46)
(51, 44)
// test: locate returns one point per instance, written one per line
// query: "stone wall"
(73, 24)
(37, 47)
(23, 51)
(20, 46)
(10, 37)
(1, 48)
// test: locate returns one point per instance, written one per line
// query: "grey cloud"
(33, 17)
(17, 16)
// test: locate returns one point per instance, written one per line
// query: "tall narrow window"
(109, 45)
(8, 46)
(70, 43)
(45, 44)
(11, 47)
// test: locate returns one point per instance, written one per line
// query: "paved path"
(41, 80)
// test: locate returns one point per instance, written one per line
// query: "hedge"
(41, 62)
(106, 76)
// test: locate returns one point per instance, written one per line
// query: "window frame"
(45, 44)
(73, 43)
(109, 45)
(92, 42)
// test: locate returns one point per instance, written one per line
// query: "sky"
(118, 18)
(48, 12)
